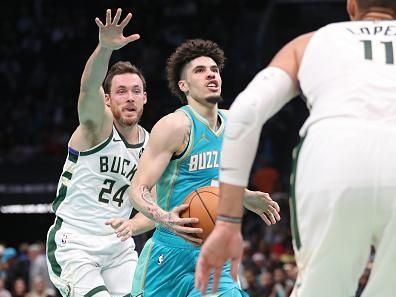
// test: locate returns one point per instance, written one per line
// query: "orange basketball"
(202, 205)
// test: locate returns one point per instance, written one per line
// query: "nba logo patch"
(65, 238)
(160, 260)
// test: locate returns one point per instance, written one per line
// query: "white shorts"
(344, 202)
(85, 265)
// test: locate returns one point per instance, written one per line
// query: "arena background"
(43, 49)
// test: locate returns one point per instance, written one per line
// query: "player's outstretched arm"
(166, 137)
(271, 88)
(91, 102)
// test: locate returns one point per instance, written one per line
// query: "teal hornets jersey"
(166, 266)
(197, 166)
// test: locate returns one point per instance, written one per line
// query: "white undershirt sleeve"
(265, 95)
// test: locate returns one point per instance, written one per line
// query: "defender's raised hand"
(111, 33)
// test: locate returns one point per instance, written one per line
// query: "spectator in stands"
(38, 265)
(252, 287)
(10, 267)
(266, 284)
(40, 288)
(3, 291)
(19, 288)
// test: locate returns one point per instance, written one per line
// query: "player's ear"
(145, 98)
(183, 85)
(352, 9)
(107, 100)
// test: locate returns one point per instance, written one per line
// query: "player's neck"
(130, 133)
(208, 112)
(378, 15)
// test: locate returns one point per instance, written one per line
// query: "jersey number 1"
(388, 46)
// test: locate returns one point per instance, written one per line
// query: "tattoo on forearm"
(146, 195)
(157, 214)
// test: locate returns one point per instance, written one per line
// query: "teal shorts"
(166, 267)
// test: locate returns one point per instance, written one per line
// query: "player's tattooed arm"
(170, 220)
(153, 211)
(263, 205)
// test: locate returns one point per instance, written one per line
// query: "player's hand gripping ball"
(202, 205)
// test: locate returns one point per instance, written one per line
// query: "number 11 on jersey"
(387, 46)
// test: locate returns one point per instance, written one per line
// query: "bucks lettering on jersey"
(94, 184)
(197, 166)
(348, 70)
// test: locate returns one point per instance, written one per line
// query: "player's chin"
(130, 121)
(214, 98)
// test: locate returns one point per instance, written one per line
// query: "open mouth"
(130, 109)
(213, 85)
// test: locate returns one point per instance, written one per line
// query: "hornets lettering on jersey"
(197, 166)
(204, 160)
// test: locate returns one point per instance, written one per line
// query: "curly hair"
(366, 4)
(122, 67)
(185, 53)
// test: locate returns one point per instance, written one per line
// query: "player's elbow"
(137, 191)
(242, 115)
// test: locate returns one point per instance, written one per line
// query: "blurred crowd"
(268, 267)
(45, 45)
(23, 271)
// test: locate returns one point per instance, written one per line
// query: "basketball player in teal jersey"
(183, 154)
(344, 182)
(86, 257)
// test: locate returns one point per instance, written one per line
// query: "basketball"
(202, 205)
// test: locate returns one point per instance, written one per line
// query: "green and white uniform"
(345, 175)
(84, 255)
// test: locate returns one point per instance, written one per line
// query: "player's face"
(201, 79)
(127, 98)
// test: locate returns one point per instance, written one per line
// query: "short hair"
(186, 52)
(366, 4)
(122, 67)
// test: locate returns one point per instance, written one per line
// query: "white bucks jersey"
(94, 184)
(349, 70)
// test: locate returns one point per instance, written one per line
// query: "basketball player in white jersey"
(86, 257)
(344, 182)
